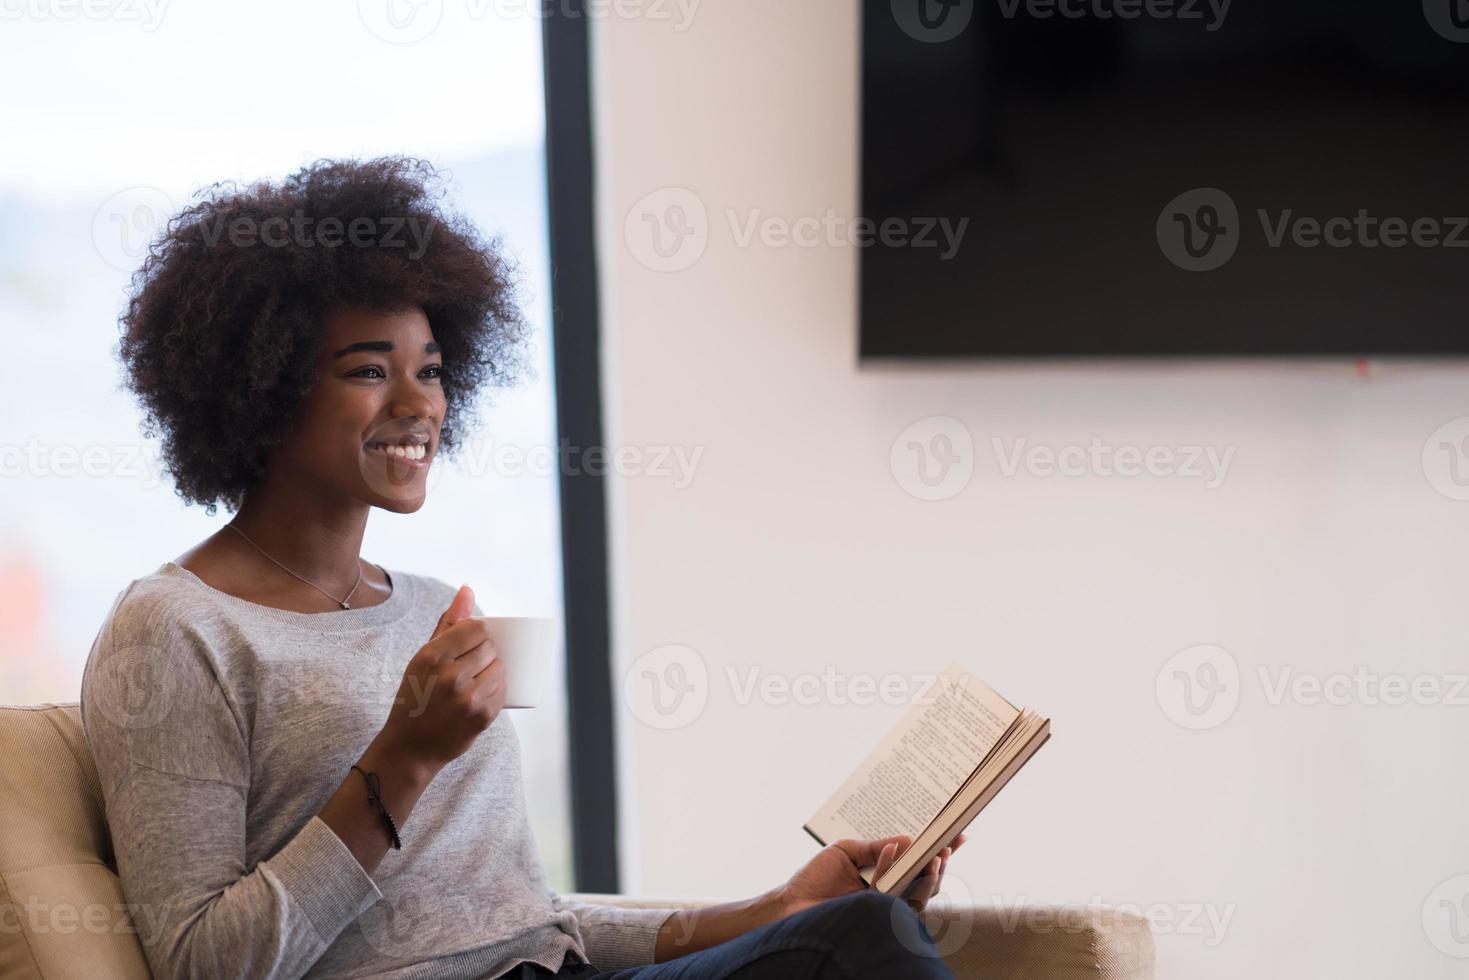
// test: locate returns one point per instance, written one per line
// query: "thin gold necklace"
(341, 602)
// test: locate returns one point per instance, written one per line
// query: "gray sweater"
(220, 727)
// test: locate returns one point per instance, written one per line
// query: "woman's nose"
(412, 397)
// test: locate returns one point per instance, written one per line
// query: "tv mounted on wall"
(1164, 177)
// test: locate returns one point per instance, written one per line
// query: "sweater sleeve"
(615, 937)
(170, 743)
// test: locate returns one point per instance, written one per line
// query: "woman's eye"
(437, 369)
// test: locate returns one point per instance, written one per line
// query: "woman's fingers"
(865, 852)
(943, 866)
(928, 882)
(885, 859)
(927, 885)
(924, 886)
(460, 607)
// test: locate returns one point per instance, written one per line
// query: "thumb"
(461, 607)
(865, 852)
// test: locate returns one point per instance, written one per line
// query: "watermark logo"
(670, 686)
(398, 479)
(676, 464)
(37, 917)
(147, 14)
(1209, 464)
(667, 230)
(949, 923)
(833, 687)
(1208, 921)
(1199, 687)
(67, 461)
(1210, 12)
(1446, 459)
(1364, 687)
(933, 21)
(142, 685)
(1199, 230)
(127, 223)
(1450, 18)
(415, 913)
(1446, 917)
(407, 21)
(834, 230)
(301, 230)
(933, 459)
(667, 688)
(400, 21)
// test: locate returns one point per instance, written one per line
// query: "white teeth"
(404, 452)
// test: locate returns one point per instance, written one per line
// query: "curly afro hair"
(223, 320)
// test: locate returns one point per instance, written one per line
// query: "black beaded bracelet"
(375, 799)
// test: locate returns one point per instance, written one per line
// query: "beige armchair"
(63, 913)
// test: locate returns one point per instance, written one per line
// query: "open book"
(951, 752)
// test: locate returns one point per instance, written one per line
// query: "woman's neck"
(322, 545)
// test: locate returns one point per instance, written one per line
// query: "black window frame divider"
(576, 332)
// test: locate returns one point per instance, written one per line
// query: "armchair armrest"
(1035, 942)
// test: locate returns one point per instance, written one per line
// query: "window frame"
(576, 339)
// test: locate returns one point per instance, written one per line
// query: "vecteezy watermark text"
(1201, 229)
(676, 463)
(669, 687)
(935, 458)
(938, 21)
(1211, 12)
(123, 460)
(129, 221)
(1208, 920)
(833, 230)
(1200, 687)
(37, 917)
(407, 21)
(148, 14)
(1097, 459)
(1363, 686)
(669, 229)
(307, 231)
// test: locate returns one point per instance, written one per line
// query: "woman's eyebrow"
(385, 346)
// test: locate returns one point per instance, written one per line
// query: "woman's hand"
(452, 690)
(836, 871)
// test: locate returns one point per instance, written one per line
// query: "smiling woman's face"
(378, 404)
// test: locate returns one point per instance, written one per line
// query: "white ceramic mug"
(525, 645)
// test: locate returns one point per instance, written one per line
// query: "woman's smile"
(416, 456)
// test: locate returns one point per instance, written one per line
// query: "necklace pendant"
(344, 604)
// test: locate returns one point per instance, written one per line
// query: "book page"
(921, 764)
(1024, 738)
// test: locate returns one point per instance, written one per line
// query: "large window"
(116, 113)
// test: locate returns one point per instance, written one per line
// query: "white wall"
(1320, 831)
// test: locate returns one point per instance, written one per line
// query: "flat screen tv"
(1164, 177)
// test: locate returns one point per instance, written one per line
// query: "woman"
(304, 762)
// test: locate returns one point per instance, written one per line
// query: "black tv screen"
(1164, 177)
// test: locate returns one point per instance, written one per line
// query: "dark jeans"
(865, 934)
